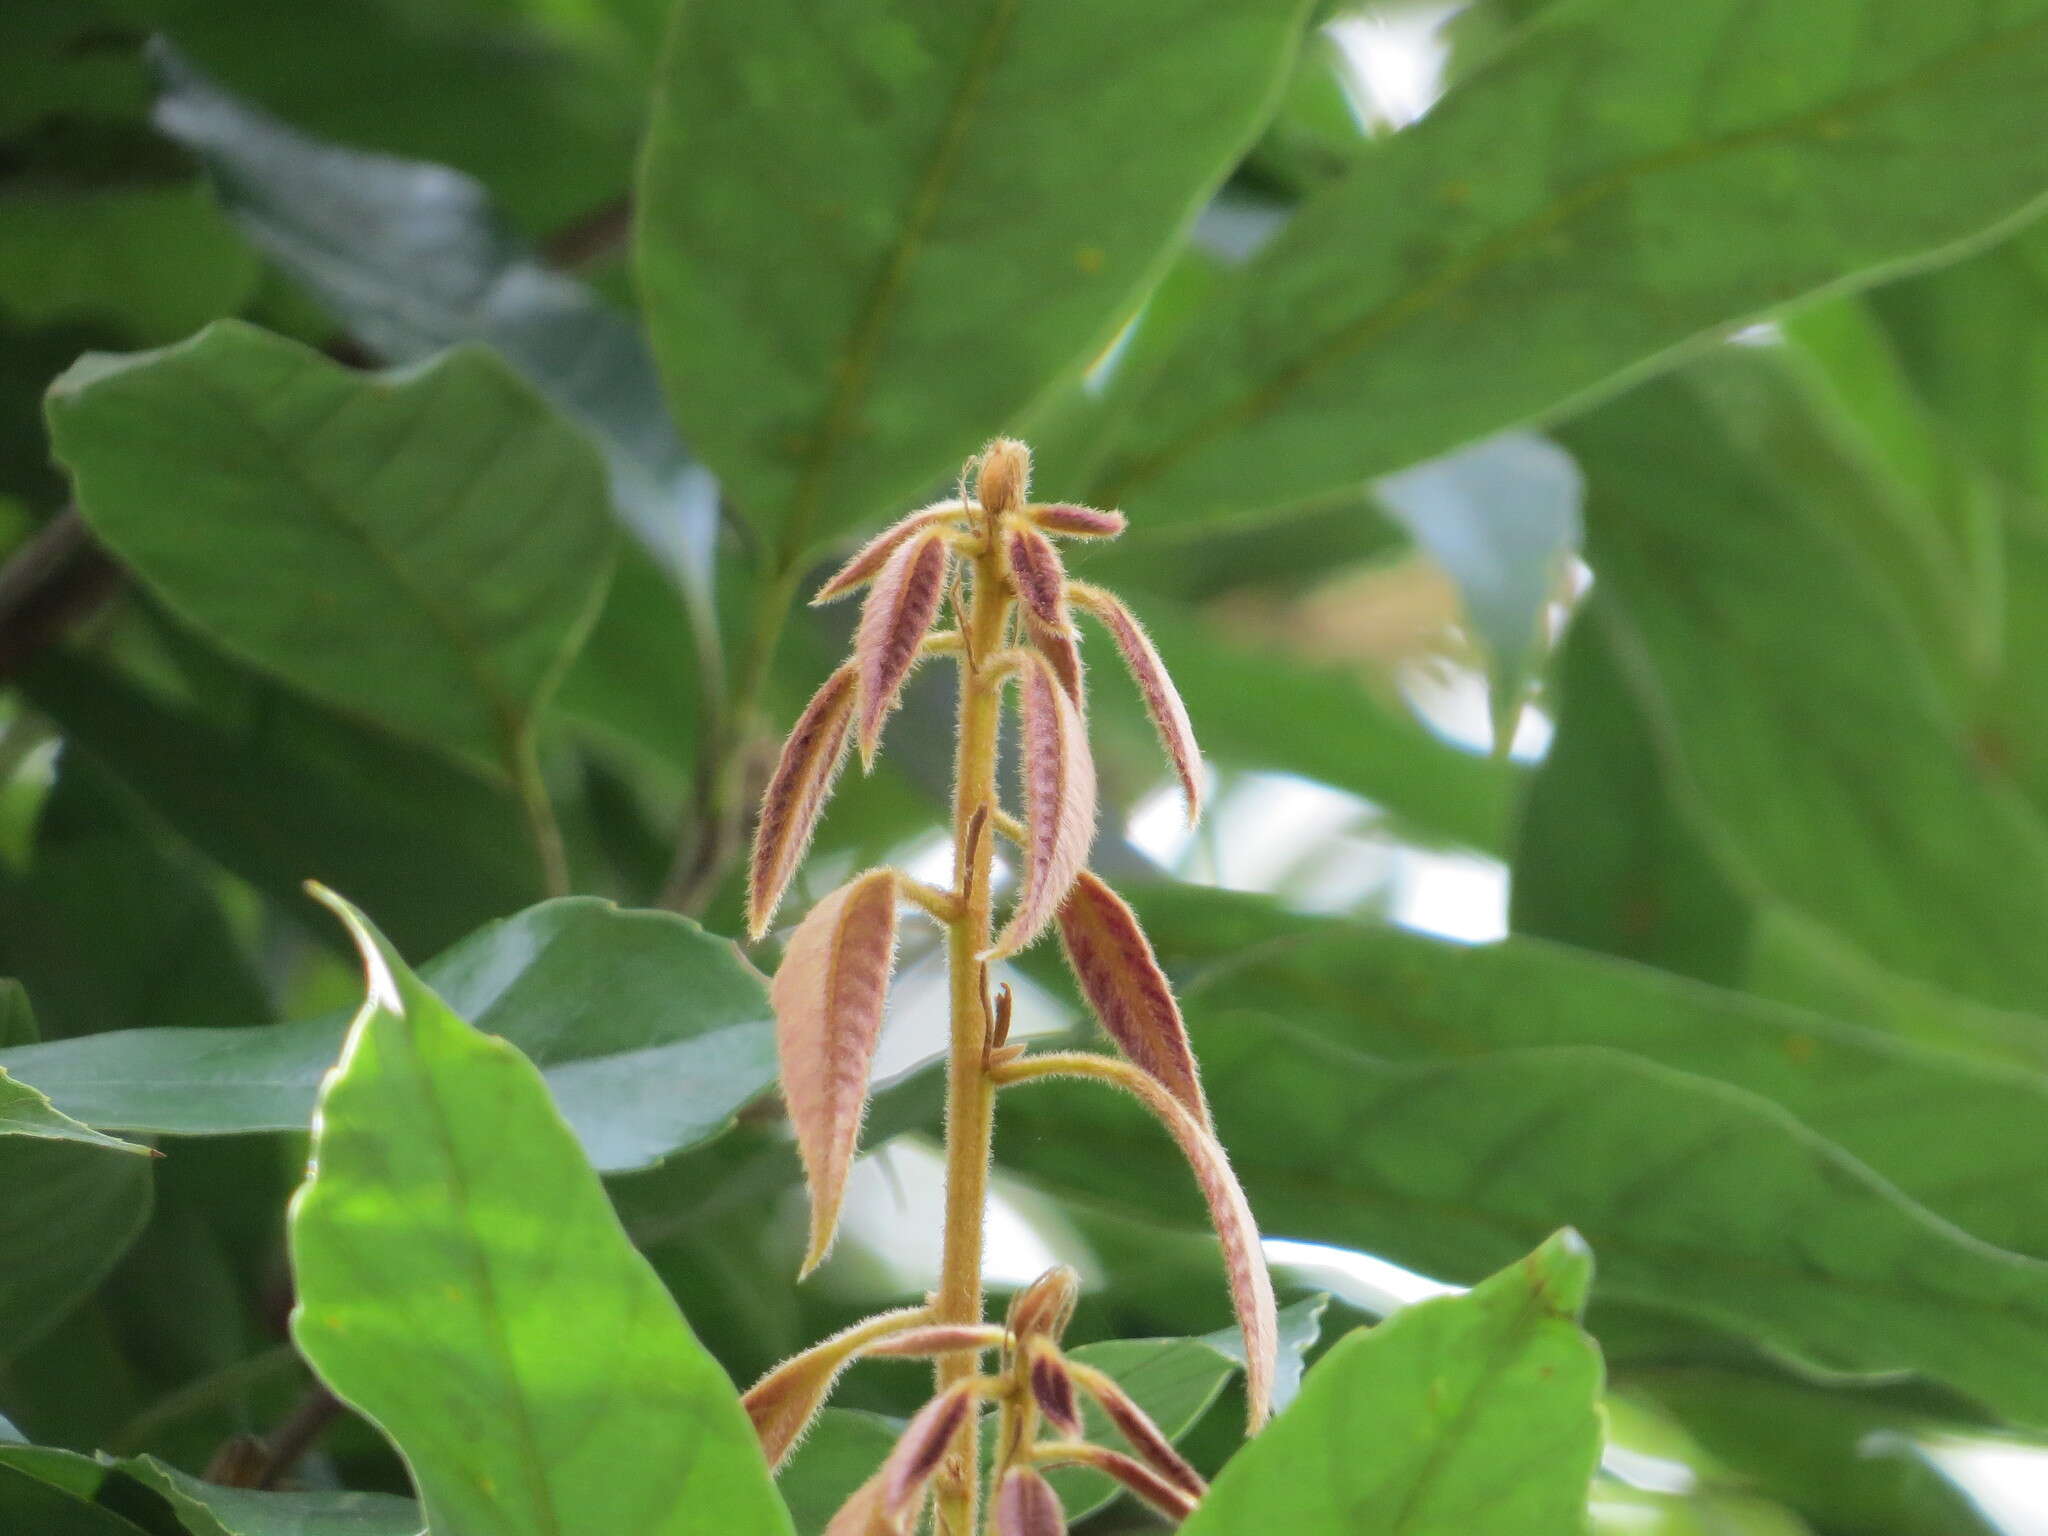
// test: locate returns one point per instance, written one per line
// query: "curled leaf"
(1004, 477)
(783, 1402)
(1162, 699)
(796, 794)
(1051, 1387)
(1043, 1308)
(1136, 1426)
(1072, 522)
(1027, 1506)
(872, 555)
(828, 997)
(1120, 976)
(899, 609)
(1060, 646)
(1037, 574)
(1059, 794)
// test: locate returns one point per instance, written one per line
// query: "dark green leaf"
(464, 1283)
(209, 1510)
(26, 1112)
(67, 1213)
(28, 1504)
(426, 549)
(1463, 1416)
(1578, 209)
(650, 1031)
(964, 200)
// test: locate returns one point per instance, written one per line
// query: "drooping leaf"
(900, 607)
(649, 1031)
(26, 1112)
(67, 1214)
(411, 258)
(1155, 687)
(1444, 289)
(441, 593)
(463, 1282)
(829, 995)
(208, 1509)
(867, 561)
(795, 797)
(887, 335)
(1025, 1505)
(1118, 974)
(1059, 800)
(1480, 1413)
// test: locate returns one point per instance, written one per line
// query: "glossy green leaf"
(650, 1033)
(1802, 730)
(464, 1284)
(1706, 1200)
(1464, 1416)
(1577, 209)
(412, 258)
(67, 1213)
(281, 790)
(964, 200)
(432, 545)
(209, 1510)
(26, 1112)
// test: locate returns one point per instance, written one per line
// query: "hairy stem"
(970, 1094)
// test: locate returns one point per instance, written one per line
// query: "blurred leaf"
(67, 1213)
(1300, 1327)
(26, 1112)
(841, 1451)
(651, 1034)
(17, 1018)
(411, 258)
(441, 592)
(1797, 722)
(209, 1510)
(1500, 517)
(836, 339)
(1706, 1199)
(281, 789)
(113, 925)
(1619, 1510)
(29, 1504)
(1446, 288)
(1468, 1414)
(464, 1283)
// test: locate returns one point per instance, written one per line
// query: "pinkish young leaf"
(1120, 976)
(899, 609)
(935, 1339)
(1162, 699)
(828, 995)
(872, 555)
(796, 794)
(1027, 1506)
(1044, 1307)
(919, 1454)
(1136, 1426)
(1062, 648)
(1174, 1503)
(1037, 574)
(1051, 1387)
(783, 1402)
(1059, 794)
(1072, 522)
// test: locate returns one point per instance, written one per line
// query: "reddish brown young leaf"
(1059, 794)
(1162, 699)
(1137, 1427)
(828, 996)
(1174, 1503)
(1061, 647)
(1027, 1506)
(1037, 574)
(1072, 522)
(1120, 976)
(936, 1339)
(796, 794)
(921, 1451)
(899, 609)
(872, 555)
(1051, 1387)
(1004, 477)
(1043, 1308)
(783, 1402)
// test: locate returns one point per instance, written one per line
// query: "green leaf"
(965, 200)
(1704, 1200)
(280, 790)
(1300, 1326)
(432, 545)
(67, 1213)
(464, 1284)
(209, 1510)
(1465, 1416)
(411, 258)
(25, 1112)
(841, 1452)
(650, 1032)
(1802, 729)
(1579, 209)
(29, 1504)
(17, 1018)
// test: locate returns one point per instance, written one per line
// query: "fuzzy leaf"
(829, 996)
(1120, 976)
(1053, 1389)
(1037, 574)
(1059, 793)
(783, 1403)
(869, 559)
(1162, 699)
(919, 1454)
(796, 794)
(1061, 647)
(1136, 1426)
(1027, 1506)
(1074, 522)
(901, 606)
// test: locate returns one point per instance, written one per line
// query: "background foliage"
(1624, 487)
